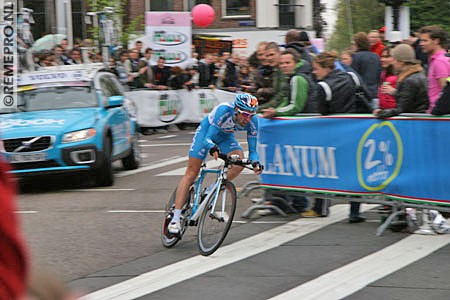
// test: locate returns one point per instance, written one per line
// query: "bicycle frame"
(196, 208)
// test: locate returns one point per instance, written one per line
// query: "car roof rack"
(79, 72)
(90, 68)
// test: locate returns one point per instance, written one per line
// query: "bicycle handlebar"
(234, 159)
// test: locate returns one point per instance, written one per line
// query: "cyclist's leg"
(193, 167)
(197, 154)
(230, 145)
(235, 170)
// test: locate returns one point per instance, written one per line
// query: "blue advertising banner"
(402, 158)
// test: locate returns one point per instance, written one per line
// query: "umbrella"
(47, 42)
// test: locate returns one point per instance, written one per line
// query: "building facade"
(246, 21)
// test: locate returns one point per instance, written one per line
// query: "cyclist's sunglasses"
(246, 114)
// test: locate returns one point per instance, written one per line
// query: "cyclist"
(216, 134)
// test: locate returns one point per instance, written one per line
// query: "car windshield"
(59, 97)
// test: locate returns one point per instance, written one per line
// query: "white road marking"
(268, 222)
(99, 190)
(350, 278)
(210, 164)
(150, 282)
(136, 211)
(166, 145)
(167, 136)
(153, 166)
(26, 212)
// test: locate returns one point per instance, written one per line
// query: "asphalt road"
(94, 238)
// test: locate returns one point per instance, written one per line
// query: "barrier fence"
(160, 108)
(402, 158)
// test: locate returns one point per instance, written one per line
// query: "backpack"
(361, 98)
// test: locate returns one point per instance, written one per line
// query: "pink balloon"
(202, 15)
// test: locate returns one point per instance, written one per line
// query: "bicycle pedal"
(193, 223)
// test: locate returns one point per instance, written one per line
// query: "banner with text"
(169, 35)
(403, 158)
(161, 108)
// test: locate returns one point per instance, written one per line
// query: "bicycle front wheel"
(215, 221)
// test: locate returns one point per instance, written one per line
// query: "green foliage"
(99, 5)
(369, 14)
(365, 16)
(430, 12)
(136, 25)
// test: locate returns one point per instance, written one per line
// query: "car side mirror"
(115, 101)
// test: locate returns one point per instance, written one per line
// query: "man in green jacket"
(298, 93)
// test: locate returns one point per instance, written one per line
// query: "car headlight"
(79, 135)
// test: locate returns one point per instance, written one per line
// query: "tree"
(319, 24)
(364, 15)
(429, 12)
(368, 14)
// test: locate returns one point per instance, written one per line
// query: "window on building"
(236, 8)
(191, 3)
(158, 5)
(286, 12)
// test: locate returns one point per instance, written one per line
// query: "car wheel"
(133, 160)
(104, 175)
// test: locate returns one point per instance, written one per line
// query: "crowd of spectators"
(371, 76)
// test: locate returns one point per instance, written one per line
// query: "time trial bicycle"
(211, 209)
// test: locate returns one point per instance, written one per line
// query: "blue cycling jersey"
(218, 128)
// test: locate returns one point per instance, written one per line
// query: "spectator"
(219, 72)
(366, 63)
(161, 74)
(75, 56)
(60, 56)
(206, 71)
(256, 59)
(13, 257)
(273, 94)
(65, 45)
(387, 78)
(376, 45)
(414, 41)
(411, 93)
(193, 78)
(346, 57)
(138, 46)
(245, 79)
(295, 97)
(132, 65)
(177, 78)
(263, 76)
(48, 60)
(335, 94)
(299, 40)
(300, 86)
(433, 40)
(121, 68)
(442, 106)
(147, 58)
(231, 80)
(145, 69)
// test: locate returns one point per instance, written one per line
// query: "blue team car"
(70, 119)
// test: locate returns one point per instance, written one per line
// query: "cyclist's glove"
(257, 165)
(214, 149)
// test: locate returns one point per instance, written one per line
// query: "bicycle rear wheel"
(215, 222)
(169, 240)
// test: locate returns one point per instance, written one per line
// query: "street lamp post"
(395, 4)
